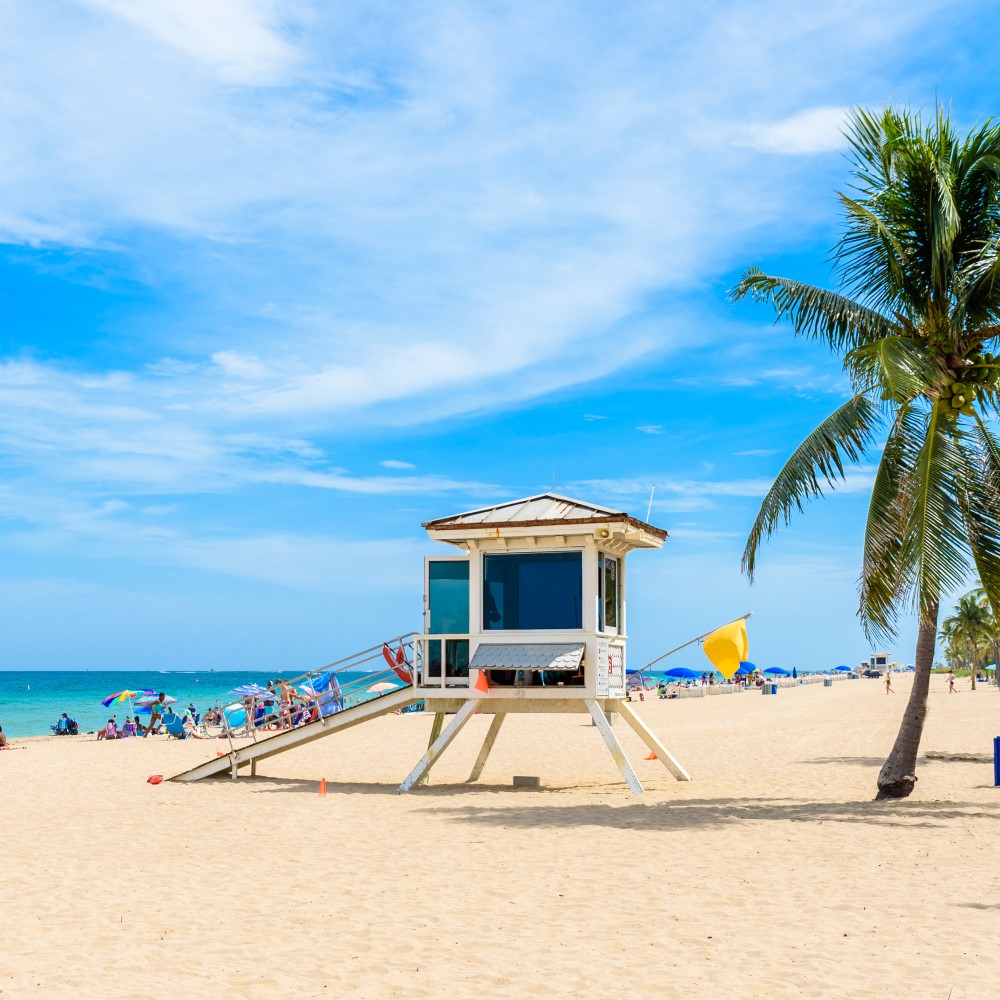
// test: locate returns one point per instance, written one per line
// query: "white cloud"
(812, 130)
(438, 211)
(393, 463)
(238, 39)
(650, 428)
(757, 452)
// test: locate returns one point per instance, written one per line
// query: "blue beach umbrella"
(776, 671)
(795, 673)
(843, 670)
(681, 672)
(746, 667)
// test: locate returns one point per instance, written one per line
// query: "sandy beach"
(772, 874)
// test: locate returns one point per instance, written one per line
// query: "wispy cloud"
(811, 130)
(650, 428)
(394, 463)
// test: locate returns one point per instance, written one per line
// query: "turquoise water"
(30, 702)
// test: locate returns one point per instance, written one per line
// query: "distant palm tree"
(918, 304)
(969, 629)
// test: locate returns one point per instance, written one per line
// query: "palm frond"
(935, 545)
(982, 506)
(900, 365)
(845, 434)
(882, 580)
(815, 312)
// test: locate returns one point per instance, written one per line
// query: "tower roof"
(542, 510)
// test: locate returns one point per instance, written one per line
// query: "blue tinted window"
(448, 595)
(537, 590)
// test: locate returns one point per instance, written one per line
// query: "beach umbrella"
(249, 691)
(746, 667)
(119, 697)
(382, 687)
(148, 699)
(795, 673)
(776, 671)
(843, 670)
(681, 672)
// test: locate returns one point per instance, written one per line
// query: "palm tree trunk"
(975, 660)
(897, 778)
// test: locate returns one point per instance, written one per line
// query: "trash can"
(828, 682)
(765, 689)
(774, 688)
(996, 761)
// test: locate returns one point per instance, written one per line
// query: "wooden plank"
(484, 753)
(601, 721)
(648, 737)
(440, 745)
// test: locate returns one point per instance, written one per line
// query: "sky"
(282, 280)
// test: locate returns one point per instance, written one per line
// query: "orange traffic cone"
(482, 682)
(322, 787)
(652, 756)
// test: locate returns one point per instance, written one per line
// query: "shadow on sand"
(686, 814)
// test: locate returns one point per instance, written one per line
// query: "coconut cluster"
(959, 396)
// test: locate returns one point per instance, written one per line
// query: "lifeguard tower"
(531, 617)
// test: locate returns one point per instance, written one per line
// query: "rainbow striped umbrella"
(119, 697)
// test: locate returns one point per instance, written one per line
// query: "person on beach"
(951, 684)
(109, 732)
(156, 712)
(3, 740)
(888, 682)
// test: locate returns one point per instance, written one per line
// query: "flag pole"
(690, 642)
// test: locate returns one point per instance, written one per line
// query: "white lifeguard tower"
(531, 617)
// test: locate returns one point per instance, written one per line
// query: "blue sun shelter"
(530, 618)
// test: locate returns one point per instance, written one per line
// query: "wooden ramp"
(288, 739)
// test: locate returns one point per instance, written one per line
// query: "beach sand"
(772, 874)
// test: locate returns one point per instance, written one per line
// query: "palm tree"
(994, 633)
(968, 630)
(918, 305)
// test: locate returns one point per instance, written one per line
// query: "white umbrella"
(382, 687)
(151, 699)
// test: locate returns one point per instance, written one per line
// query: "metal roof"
(543, 509)
(528, 656)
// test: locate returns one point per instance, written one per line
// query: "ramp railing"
(336, 687)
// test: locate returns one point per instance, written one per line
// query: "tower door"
(446, 614)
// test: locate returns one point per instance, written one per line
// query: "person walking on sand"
(156, 712)
(888, 682)
(951, 684)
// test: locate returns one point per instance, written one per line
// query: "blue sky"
(280, 280)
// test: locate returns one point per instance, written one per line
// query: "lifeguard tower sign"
(530, 618)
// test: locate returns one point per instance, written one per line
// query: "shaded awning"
(528, 656)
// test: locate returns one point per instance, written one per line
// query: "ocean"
(32, 701)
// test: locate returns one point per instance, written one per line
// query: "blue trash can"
(996, 761)
(774, 688)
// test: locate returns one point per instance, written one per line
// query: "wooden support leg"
(236, 768)
(647, 736)
(436, 728)
(453, 728)
(491, 738)
(253, 768)
(600, 720)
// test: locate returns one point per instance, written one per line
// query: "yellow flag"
(726, 647)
